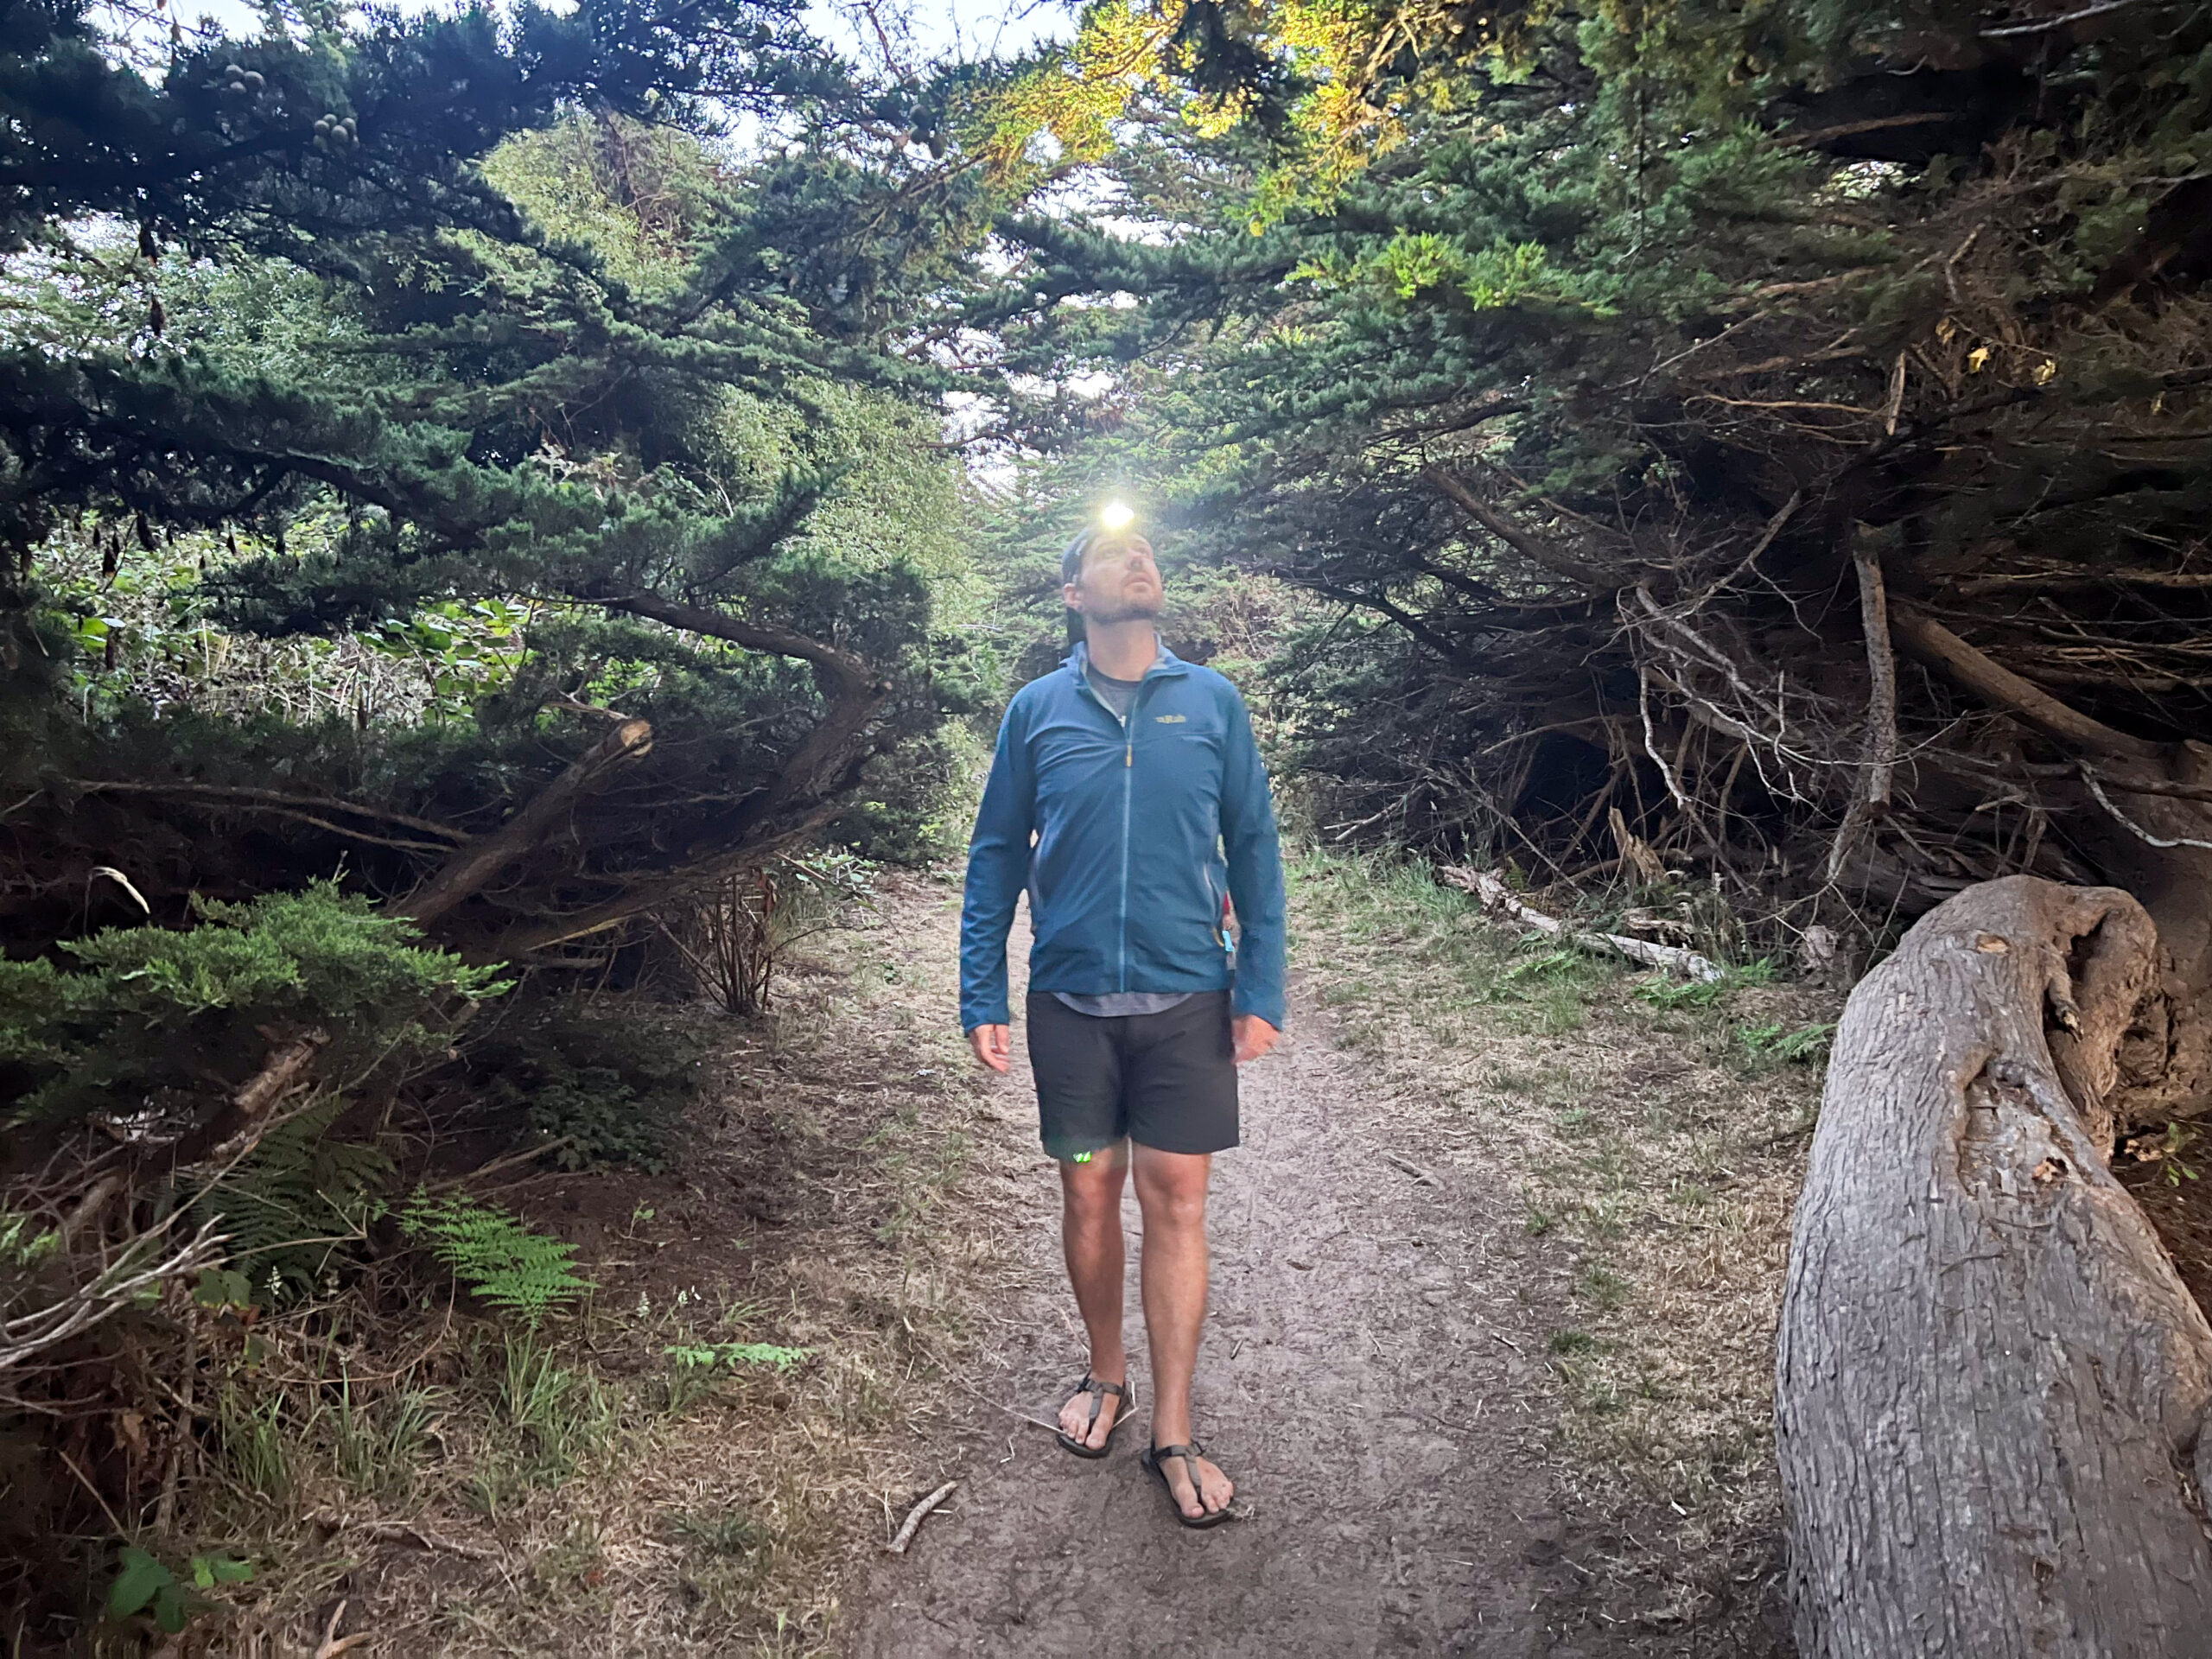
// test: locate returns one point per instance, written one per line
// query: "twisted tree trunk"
(1992, 1386)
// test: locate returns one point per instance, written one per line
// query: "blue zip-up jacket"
(1137, 834)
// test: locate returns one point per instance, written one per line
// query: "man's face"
(1120, 583)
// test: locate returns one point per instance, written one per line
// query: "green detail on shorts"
(1080, 1158)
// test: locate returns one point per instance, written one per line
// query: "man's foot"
(1200, 1505)
(1096, 1409)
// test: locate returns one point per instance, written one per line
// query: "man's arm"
(1255, 858)
(998, 869)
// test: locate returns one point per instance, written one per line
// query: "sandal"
(1098, 1391)
(1155, 1456)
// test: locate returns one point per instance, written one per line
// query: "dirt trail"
(1368, 1376)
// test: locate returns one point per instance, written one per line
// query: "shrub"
(149, 1016)
(609, 1085)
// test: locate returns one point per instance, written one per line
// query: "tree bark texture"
(1991, 1385)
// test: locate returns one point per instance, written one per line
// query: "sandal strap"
(1098, 1391)
(1190, 1454)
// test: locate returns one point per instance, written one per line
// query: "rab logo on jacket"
(1170, 719)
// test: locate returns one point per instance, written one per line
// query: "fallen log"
(1495, 895)
(1990, 1384)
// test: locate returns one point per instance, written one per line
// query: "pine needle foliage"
(140, 1016)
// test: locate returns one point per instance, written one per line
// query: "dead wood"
(1936, 645)
(916, 1516)
(1491, 890)
(475, 864)
(1991, 1385)
(287, 1067)
(1871, 799)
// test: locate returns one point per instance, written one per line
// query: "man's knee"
(1171, 1187)
(1094, 1188)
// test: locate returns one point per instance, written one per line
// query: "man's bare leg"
(1171, 1193)
(1090, 1239)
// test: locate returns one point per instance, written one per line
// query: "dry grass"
(1659, 1139)
(617, 1484)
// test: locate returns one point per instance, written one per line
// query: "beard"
(1127, 610)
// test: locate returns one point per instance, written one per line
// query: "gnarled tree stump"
(1992, 1386)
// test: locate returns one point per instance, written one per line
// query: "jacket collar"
(1078, 661)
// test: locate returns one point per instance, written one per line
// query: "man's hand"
(1254, 1035)
(993, 1047)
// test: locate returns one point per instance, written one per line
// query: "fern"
(300, 1198)
(495, 1255)
(705, 1356)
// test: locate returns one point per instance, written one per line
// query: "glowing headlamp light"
(1116, 515)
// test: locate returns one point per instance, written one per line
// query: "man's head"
(1109, 576)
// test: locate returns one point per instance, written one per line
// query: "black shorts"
(1167, 1080)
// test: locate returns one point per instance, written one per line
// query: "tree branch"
(846, 670)
(650, 894)
(481, 859)
(809, 784)
(1932, 643)
(1534, 548)
(1871, 799)
(296, 805)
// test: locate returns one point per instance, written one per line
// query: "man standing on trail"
(1128, 796)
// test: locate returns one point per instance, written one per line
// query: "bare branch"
(2044, 26)
(481, 859)
(1530, 546)
(276, 800)
(2134, 828)
(1935, 645)
(1871, 799)
(1495, 895)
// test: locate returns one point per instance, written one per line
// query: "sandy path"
(1368, 1377)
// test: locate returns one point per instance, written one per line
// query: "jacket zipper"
(1128, 723)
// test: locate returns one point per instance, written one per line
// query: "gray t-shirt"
(1121, 697)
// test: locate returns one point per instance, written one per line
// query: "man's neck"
(1123, 651)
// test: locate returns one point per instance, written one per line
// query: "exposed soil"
(1371, 1377)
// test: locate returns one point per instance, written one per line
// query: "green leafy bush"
(144, 1583)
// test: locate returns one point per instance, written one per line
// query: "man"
(1128, 796)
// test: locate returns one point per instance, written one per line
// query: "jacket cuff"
(1268, 1008)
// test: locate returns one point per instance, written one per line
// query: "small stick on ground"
(1491, 891)
(1412, 1169)
(401, 1532)
(912, 1524)
(334, 1645)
